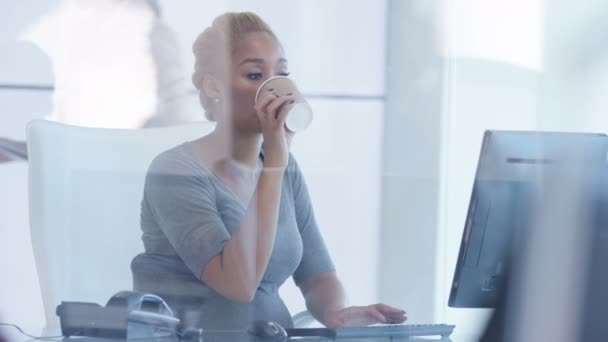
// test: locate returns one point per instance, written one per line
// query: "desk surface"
(250, 339)
(11, 334)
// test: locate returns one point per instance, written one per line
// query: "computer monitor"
(505, 195)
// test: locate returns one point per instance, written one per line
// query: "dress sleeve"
(182, 201)
(315, 256)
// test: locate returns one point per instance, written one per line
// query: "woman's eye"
(254, 76)
(285, 74)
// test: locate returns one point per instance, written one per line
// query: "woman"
(224, 220)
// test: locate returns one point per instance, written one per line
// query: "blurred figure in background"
(115, 65)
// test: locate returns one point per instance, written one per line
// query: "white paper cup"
(300, 116)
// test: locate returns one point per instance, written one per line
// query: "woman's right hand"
(360, 316)
(272, 111)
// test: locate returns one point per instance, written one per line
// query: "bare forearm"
(255, 238)
(324, 294)
(246, 255)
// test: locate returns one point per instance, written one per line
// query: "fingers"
(367, 315)
(392, 314)
(376, 314)
(388, 309)
(280, 107)
(263, 102)
(335, 321)
(272, 107)
(396, 318)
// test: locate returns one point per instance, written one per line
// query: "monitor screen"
(506, 194)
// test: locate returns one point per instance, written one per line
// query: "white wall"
(332, 46)
(411, 159)
(21, 62)
(574, 66)
(503, 31)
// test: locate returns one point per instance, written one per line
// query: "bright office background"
(402, 91)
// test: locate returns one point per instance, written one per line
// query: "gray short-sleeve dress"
(187, 217)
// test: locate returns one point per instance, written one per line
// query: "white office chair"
(85, 190)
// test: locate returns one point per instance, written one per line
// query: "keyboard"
(387, 330)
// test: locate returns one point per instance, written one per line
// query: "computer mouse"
(268, 330)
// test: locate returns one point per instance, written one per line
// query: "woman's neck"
(243, 148)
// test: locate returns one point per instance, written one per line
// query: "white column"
(412, 141)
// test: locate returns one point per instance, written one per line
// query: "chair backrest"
(85, 191)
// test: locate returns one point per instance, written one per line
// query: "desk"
(248, 339)
(12, 334)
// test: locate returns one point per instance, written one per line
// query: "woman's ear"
(211, 86)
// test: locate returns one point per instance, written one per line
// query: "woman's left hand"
(357, 316)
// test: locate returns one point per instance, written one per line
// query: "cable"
(49, 338)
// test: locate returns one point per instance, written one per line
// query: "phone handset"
(148, 314)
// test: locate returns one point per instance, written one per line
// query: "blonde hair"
(214, 46)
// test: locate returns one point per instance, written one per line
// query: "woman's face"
(256, 57)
